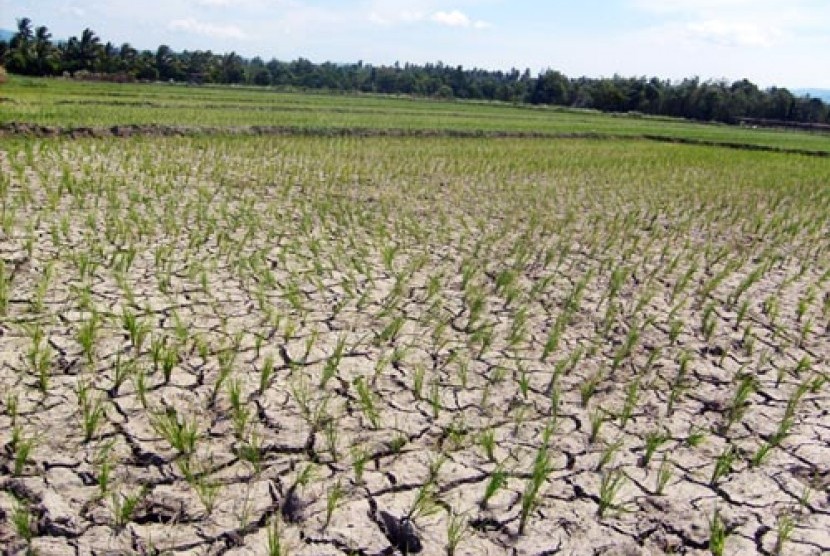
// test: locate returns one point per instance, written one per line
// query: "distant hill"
(6, 35)
(823, 94)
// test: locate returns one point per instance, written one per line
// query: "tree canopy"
(31, 51)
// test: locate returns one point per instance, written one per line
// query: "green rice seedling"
(170, 358)
(679, 383)
(124, 506)
(92, 410)
(121, 371)
(632, 395)
(805, 331)
(39, 358)
(86, 336)
(518, 328)
(723, 464)
(664, 475)
(13, 407)
(137, 330)
(476, 306)
(627, 346)
(804, 364)
(140, 384)
(182, 434)
(747, 385)
(333, 362)
(105, 468)
(741, 314)
(763, 451)
(608, 454)
(597, 418)
(784, 526)
(425, 503)
(681, 284)
(712, 284)
(748, 340)
(331, 432)
(717, 534)
(457, 530)
(240, 413)
(227, 359)
(463, 372)
(487, 440)
(553, 338)
(523, 380)
(538, 475)
(22, 448)
(675, 328)
(696, 436)
(418, 381)
(310, 342)
(483, 337)
(497, 481)
(208, 491)
(24, 522)
(266, 373)
(5, 288)
(708, 322)
(435, 398)
(251, 451)
(770, 308)
(368, 405)
(334, 496)
(610, 319)
(610, 486)
(804, 303)
(589, 387)
(274, 539)
(359, 456)
(751, 278)
(654, 439)
(456, 433)
(38, 300)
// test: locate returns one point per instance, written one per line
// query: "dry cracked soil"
(330, 346)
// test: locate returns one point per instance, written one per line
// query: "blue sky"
(771, 42)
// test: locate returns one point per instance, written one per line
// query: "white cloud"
(74, 11)
(732, 33)
(215, 3)
(404, 12)
(191, 25)
(456, 18)
(391, 18)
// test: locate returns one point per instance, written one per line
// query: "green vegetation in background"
(58, 102)
(31, 51)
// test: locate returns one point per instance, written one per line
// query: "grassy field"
(66, 103)
(366, 345)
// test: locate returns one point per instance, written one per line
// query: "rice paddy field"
(438, 343)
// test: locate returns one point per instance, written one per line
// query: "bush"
(2, 74)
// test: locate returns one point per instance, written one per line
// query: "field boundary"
(22, 129)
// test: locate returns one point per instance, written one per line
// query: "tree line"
(31, 51)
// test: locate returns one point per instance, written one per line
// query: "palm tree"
(44, 52)
(127, 57)
(20, 48)
(89, 49)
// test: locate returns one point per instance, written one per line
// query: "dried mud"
(402, 299)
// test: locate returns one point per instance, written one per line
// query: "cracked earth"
(401, 345)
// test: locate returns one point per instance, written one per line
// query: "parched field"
(310, 345)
